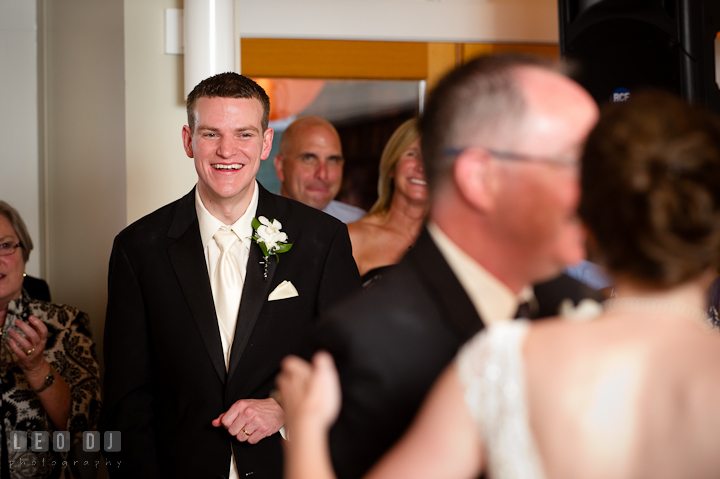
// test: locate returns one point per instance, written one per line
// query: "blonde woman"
(393, 224)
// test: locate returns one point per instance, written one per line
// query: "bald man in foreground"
(501, 139)
(310, 167)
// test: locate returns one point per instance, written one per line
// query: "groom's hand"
(252, 419)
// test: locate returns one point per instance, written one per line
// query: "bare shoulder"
(368, 222)
(671, 359)
(663, 378)
(365, 229)
(682, 387)
(692, 357)
(554, 335)
(653, 335)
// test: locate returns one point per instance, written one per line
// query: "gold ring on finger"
(30, 351)
(246, 433)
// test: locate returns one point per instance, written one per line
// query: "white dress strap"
(491, 369)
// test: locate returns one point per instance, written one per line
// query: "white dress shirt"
(493, 300)
(209, 225)
(344, 212)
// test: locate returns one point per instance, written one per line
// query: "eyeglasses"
(508, 155)
(7, 249)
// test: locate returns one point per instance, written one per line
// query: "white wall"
(157, 169)
(409, 20)
(84, 111)
(19, 167)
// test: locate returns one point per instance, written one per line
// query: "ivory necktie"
(227, 287)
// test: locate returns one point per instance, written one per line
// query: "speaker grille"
(625, 53)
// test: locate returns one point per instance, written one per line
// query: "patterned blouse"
(71, 351)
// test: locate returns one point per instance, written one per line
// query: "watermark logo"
(39, 441)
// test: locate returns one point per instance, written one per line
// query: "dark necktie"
(528, 309)
(523, 311)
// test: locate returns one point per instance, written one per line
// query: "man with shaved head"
(310, 167)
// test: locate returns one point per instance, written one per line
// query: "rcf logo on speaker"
(620, 95)
(40, 441)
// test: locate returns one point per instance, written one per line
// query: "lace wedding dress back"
(490, 367)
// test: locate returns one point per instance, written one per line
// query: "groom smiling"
(199, 315)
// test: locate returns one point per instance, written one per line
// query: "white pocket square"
(284, 290)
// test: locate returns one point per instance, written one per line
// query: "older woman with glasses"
(48, 369)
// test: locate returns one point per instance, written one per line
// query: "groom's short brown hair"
(228, 85)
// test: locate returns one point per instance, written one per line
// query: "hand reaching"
(310, 392)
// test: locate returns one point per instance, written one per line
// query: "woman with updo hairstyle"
(651, 189)
(672, 183)
(393, 224)
(632, 392)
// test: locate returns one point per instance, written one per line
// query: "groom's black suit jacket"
(391, 342)
(165, 377)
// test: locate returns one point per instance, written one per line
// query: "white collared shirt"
(209, 225)
(493, 300)
(344, 212)
(242, 228)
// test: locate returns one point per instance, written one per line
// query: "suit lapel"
(188, 260)
(256, 289)
(432, 268)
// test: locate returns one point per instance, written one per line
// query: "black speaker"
(619, 46)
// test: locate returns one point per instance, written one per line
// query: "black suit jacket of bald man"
(165, 378)
(391, 343)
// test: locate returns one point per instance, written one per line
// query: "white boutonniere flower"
(271, 240)
(585, 310)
